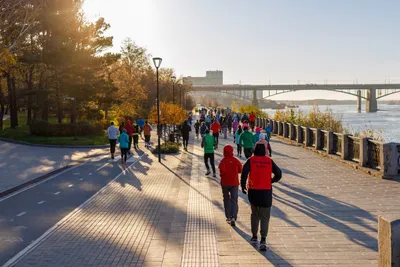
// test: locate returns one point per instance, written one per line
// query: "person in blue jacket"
(123, 140)
(268, 130)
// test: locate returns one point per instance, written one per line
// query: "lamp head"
(157, 62)
(173, 78)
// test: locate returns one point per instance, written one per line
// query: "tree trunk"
(30, 88)
(58, 100)
(106, 114)
(2, 106)
(12, 101)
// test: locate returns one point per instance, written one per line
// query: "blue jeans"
(230, 194)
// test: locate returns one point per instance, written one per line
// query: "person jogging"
(237, 138)
(235, 125)
(129, 130)
(229, 168)
(252, 119)
(123, 140)
(112, 133)
(246, 139)
(121, 127)
(224, 127)
(264, 141)
(215, 128)
(208, 143)
(147, 133)
(136, 134)
(197, 128)
(268, 130)
(258, 169)
(185, 130)
(203, 129)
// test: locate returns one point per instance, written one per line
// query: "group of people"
(127, 134)
(256, 176)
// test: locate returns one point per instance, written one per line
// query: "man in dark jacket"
(185, 129)
(259, 169)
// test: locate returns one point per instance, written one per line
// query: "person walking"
(235, 125)
(268, 130)
(136, 134)
(147, 133)
(185, 130)
(237, 138)
(203, 129)
(229, 168)
(112, 133)
(257, 134)
(121, 127)
(216, 128)
(141, 123)
(123, 140)
(246, 139)
(258, 169)
(264, 141)
(230, 121)
(129, 130)
(252, 119)
(208, 143)
(224, 127)
(197, 128)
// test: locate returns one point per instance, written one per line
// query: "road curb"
(33, 181)
(50, 146)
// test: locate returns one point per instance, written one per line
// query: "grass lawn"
(21, 133)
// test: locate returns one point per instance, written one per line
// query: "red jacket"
(129, 128)
(252, 117)
(229, 168)
(215, 127)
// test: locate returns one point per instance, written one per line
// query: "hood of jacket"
(228, 151)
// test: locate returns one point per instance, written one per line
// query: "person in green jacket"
(246, 139)
(208, 143)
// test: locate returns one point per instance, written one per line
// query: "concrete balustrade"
(365, 152)
(389, 241)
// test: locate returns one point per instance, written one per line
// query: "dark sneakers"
(254, 240)
(208, 172)
(233, 222)
(263, 244)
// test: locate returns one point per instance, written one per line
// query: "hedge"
(168, 148)
(83, 128)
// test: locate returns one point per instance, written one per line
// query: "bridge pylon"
(372, 103)
(255, 100)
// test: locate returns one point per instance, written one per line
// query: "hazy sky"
(260, 40)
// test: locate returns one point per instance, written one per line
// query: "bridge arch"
(296, 90)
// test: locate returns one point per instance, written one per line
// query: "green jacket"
(246, 139)
(208, 143)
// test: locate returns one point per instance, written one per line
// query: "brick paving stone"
(324, 214)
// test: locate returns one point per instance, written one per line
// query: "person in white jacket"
(112, 133)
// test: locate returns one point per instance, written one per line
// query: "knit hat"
(258, 130)
(262, 136)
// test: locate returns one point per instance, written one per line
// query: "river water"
(386, 119)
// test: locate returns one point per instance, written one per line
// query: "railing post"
(299, 134)
(275, 128)
(284, 131)
(329, 144)
(318, 139)
(292, 130)
(280, 128)
(388, 241)
(307, 133)
(390, 160)
(345, 146)
(363, 152)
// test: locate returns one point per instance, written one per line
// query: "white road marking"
(44, 180)
(11, 220)
(71, 185)
(41, 202)
(16, 258)
(77, 173)
(21, 214)
(81, 179)
(131, 159)
(98, 158)
(98, 169)
(90, 173)
(56, 193)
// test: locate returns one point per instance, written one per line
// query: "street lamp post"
(173, 89)
(157, 63)
(180, 94)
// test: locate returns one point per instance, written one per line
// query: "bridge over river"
(369, 92)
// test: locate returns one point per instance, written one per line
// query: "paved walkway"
(325, 213)
(21, 163)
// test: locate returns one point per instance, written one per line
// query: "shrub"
(168, 148)
(252, 108)
(83, 128)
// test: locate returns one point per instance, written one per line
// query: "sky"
(265, 41)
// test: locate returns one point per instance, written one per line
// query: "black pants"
(185, 141)
(130, 143)
(113, 143)
(270, 150)
(248, 152)
(124, 151)
(252, 123)
(216, 137)
(211, 157)
(136, 140)
(147, 139)
(239, 149)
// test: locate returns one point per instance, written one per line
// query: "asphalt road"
(28, 214)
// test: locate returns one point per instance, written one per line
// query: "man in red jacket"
(215, 128)
(229, 168)
(129, 130)
(252, 119)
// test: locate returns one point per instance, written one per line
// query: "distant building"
(212, 78)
